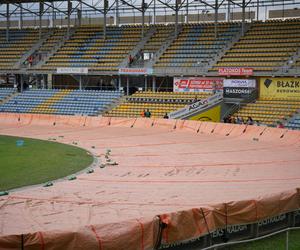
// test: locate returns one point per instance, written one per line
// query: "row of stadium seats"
(5, 93)
(159, 103)
(196, 45)
(266, 46)
(161, 34)
(20, 41)
(87, 48)
(61, 102)
(294, 122)
(269, 111)
(52, 41)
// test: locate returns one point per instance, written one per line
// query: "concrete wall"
(285, 13)
(239, 15)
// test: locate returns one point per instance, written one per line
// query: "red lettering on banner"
(197, 84)
(235, 71)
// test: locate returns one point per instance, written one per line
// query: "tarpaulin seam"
(256, 212)
(142, 234)
(22, 241)
(97, 236)
(41, 237)
(188, 181)
(98, 202)
(194, 210)
(132, 125)
(206, 224)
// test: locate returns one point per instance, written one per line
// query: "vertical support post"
(187, 12)
(21, 16)
(104, 18)
(119, 83)
(21, 83)
(287, 240)
(216, 18)
(145, 81)
(257, 10)
(117, 13)
(243, 16)
(153, 83)
(79, 16)
(45, 81)
(80, 82)
(154, 11)
(41, 10)
(53, 15)
(143, 17)
(7, 22)
(176, 16)
(69, 14)
(127, 85)
(228, 10)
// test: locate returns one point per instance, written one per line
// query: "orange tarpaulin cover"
(193, 176)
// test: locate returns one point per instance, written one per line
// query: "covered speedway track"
(176, 181)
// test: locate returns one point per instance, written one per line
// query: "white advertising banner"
(74, 70)
(240, 83)
(135, 71)
(197, 106)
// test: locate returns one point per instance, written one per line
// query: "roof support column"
(216, 18)
(257, 10)
(79, 16)
(154, 11)
(187, 12)
(243, 16)
(41, 10)
(69, 14)
(21, 16)
(144, 7)
(176, 16)
(53, 15)
(7, 22)
(117, 18)
(104, 18)
(228, 10)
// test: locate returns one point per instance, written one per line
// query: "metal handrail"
(255, 239)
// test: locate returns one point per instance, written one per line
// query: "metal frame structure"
(31, 9)
(67, 8)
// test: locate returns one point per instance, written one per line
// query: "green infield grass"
(37, 161)
(276, 242)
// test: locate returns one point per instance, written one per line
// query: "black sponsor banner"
(297, 218)
(237, 92)
(234, 232)
(273, 224)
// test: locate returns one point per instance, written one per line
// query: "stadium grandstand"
(123, 74)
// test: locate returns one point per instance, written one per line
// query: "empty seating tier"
(266, 46)
(196, 45)
(20, 41)
(5, 93)
(269, 111)
(88, 48)
(61, 102)
(159, 103)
